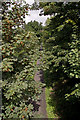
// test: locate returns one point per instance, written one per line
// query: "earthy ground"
(41, 105)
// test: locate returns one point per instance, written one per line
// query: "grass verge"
(50, 104)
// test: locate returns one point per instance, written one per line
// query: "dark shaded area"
(66, 109)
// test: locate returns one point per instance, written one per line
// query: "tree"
(19, 57)
(34, 27)
(34, 6)
(62, 51)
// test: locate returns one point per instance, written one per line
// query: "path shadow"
(36, 106)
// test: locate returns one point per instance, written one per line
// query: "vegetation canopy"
(56, 45)
(20, 51)
(61, 39)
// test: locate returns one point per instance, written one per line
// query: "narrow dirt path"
(41, 105)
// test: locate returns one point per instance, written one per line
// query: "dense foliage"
(20, 51)
(60, 58)
(34, 27)
(61, 39)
